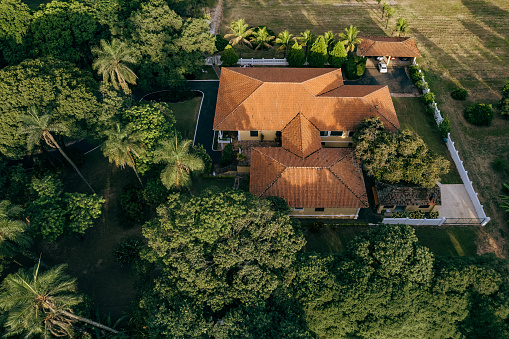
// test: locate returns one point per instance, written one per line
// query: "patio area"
(455, 202)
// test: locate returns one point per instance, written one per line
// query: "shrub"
(413, 69)
(355, 67)
(227, 155)
(479, 114)
(296, 56)
(445, 127)
(229, 57)
(417, 215)
(499, 164)
(399, 215)
(416, 77)
(155, 192)
(459, 94)
(127, 251)
(505, 91)
(421, 84)
(279, 204)
(338, 55)
(200, 151)
(504, 106)
(318, 53)
(433, 215)
(428, 98)
(221, 42)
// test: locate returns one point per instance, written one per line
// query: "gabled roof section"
(301, 137)
(324, 83)
(388, 46)
(329, 178)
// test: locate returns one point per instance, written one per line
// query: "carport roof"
(402, 47)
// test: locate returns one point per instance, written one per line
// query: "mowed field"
(463, 43)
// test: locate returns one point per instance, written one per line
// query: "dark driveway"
(395, 78)
(204, 133)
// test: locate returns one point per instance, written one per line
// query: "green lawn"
(412, 115)
(186, 114)
(209, 74)
(446, 241)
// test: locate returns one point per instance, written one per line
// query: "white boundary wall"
(414, 222)
(263, 62)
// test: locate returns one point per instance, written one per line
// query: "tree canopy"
(400, 157)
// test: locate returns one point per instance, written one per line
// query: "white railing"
(414, 222)
(263, 62)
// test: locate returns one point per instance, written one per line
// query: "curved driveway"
(204, 134)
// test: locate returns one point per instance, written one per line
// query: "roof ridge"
(376, 108)
(348, 187)
(277, 176)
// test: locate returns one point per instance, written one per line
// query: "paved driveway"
(204, 134)
(395, 78)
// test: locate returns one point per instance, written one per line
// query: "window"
(253, 133)
(319, 209)
(336, 133)
(324, 133)
(298, 209)
(424, 206)
(351, 133)
(388, 207)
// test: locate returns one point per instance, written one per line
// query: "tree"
(283, 40)
(390, 13)
(296, 56)
(349, 38)
(41, 304)
(14, 25)
(306, 38)
(239, 33)
(14, 235)
(229, 57)
(82, 210)
(112, 63)
(384, 8)
(120, 146)
(355, 67)
(338, 55)
(397, 157)
(180, 163)
(261, 38)
(329, 40)
(67, 90)
(222, 246)
(318, 54)
(39, 127)
(401, 26)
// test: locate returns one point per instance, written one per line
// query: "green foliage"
(428, 98)
(262, 38)
(445, 127)
(222, 246)
(82, 210)
(132, 205)
(397, 157)
(416, 77)
(220, 43)
(349, 38)
(433, 215)
(14, 233)
(318, 54)
(200, 152)
(355, 67)
(399, 215)
(227, 155)
(479, 114)
(154, 192)
(49, 84)
(459, 94)
(279, 204)
(229, 57)
(14, 25)
(504, 102)
(338, 55)
(416, 215)
(127, 251)
(296, 56)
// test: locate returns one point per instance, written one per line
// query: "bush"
(200, 151)
(421, 84)
(127, 251)
(504, 106)
(459, 94)
(399, 215)
(428, 98)
(479, 114)
(338, 55)
(296, 56)
(445, 127)
(416, 77)
(413, 69)
(355, 67)
(417, 215)
(229, 57)
(155, 192)
(221, 42)
(505, 91)
(433, 215)
(279, 204)
(227, 155)
(318, 53)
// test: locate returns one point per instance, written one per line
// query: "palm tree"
(41, 304)
(306, 38)
(329, 40)
(283, 40)
(13, 232)
(384, 8)
(120, 147)
(401, 26)
(349, 38)
(239, 33)
(180, 163)
(111, 62)
(390, 13)
(40, 127)
(261, 38)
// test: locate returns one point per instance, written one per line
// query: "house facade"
(295, 127)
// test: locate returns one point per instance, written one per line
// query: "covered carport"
(388, 47)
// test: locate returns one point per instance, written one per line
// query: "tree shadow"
(492, 15)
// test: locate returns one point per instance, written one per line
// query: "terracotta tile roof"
(407, 195)
(301, 137)
(388, 46)
(272, 105)
(329, 178)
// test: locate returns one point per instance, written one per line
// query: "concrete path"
(395, 78)
(215, 19)
(456, 203)
(204, 134)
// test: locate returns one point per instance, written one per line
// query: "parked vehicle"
(380, 58)
(403, 59)
(382, 67)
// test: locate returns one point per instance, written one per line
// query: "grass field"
(463, 43)
(447, 241)
(186, 114)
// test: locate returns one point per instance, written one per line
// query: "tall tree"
(318, 53)
(39, 127)
(14, 25)
(338, 55)
(120, 146)
(349, 38)
(306, 38)
(180, 163)
(14, 235)
(112, 63)
(283, 40)
(40, 304)
(239, 33)
(296, 56)
(390, 13)
(261, 38)
(329, 40)
(401, 26)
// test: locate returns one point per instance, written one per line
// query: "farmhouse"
(295, 127)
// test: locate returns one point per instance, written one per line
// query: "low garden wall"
(414, 222)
